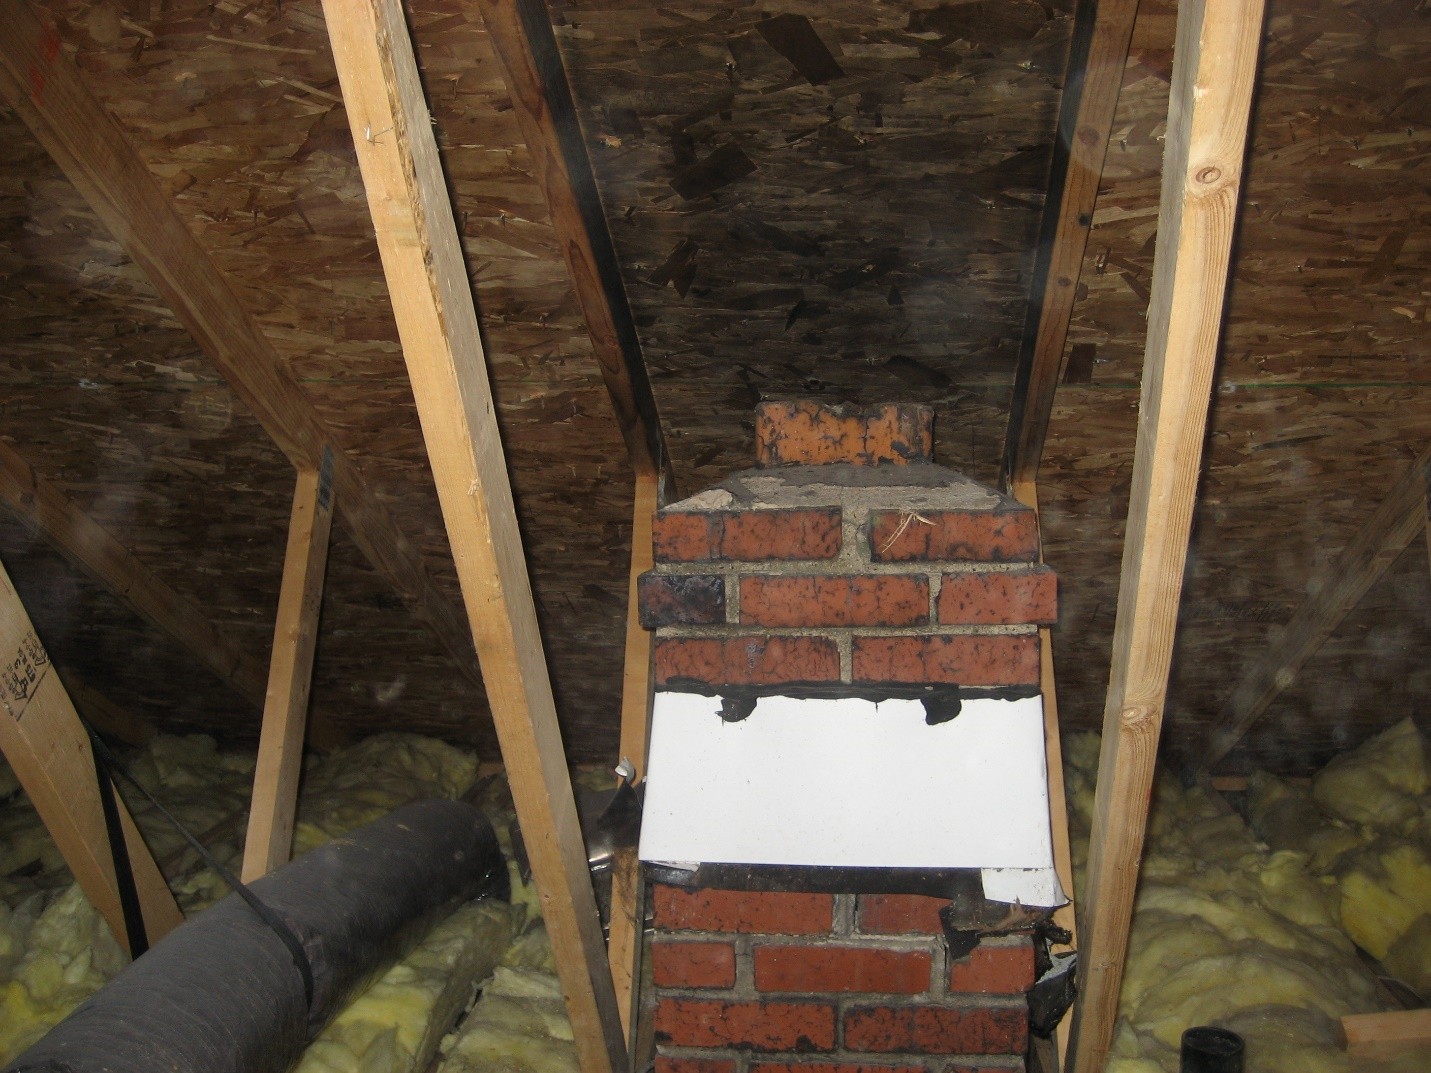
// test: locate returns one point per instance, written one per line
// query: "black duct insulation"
(222, 994)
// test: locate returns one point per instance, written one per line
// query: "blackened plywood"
(834, 200)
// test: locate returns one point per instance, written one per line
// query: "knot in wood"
(1137, 717)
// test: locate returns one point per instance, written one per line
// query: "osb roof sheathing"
(840, 204)
(1323, 391)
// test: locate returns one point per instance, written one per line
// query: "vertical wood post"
(1214, 67)
(1066, 916)
(627, 923)
(437, 324)
(269, 841)
(46, 745)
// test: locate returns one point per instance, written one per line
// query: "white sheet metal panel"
(851, 782)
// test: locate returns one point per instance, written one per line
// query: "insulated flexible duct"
(222, 993)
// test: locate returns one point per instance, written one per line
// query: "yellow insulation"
(1365, 824)
(1233, 931)
(395, 1026)
(521, 1025)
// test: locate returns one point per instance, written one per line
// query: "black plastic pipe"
(223, 994)
(1206, 1049)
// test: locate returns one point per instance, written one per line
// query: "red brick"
(967, 659)
(666, 1064)
(746, 535)
(749, 660)
(841, 968)
(776, 913)
(869, 600)
(762, 1026)
(999, 597)
(900, 914)
(686, 536)
(1004, 535)
(782, 534)
(830, 1067)
(937, 1029)
(994, 970)
(680, 599)
(693, 964)
(806, 433)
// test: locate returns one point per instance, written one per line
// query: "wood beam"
(47, 511)
(1214, 68)
(1098, 54)
(437, 325)
(521, 35)
(1380, 1034)
(269, 841)
(1397, 520)
(627, 890)
(46, 745)
(45, 88)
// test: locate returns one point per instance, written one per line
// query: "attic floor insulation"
(55, 950)
(1252, 927)
(1256, 928)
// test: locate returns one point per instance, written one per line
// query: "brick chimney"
(845, 565)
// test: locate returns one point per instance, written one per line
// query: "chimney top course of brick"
(847, 555)
(809, 433)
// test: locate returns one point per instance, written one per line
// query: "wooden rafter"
(1102, 30)
(1214, 68)
(1397, 520)
(49, 751)
(521, 34)
(437, 325)
(48, 511)
(269, 839)
(45, 88)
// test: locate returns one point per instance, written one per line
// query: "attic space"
(957, 470)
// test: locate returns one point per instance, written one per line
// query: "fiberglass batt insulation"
(1365, 824)
(520, 1025)
(1226, 932)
